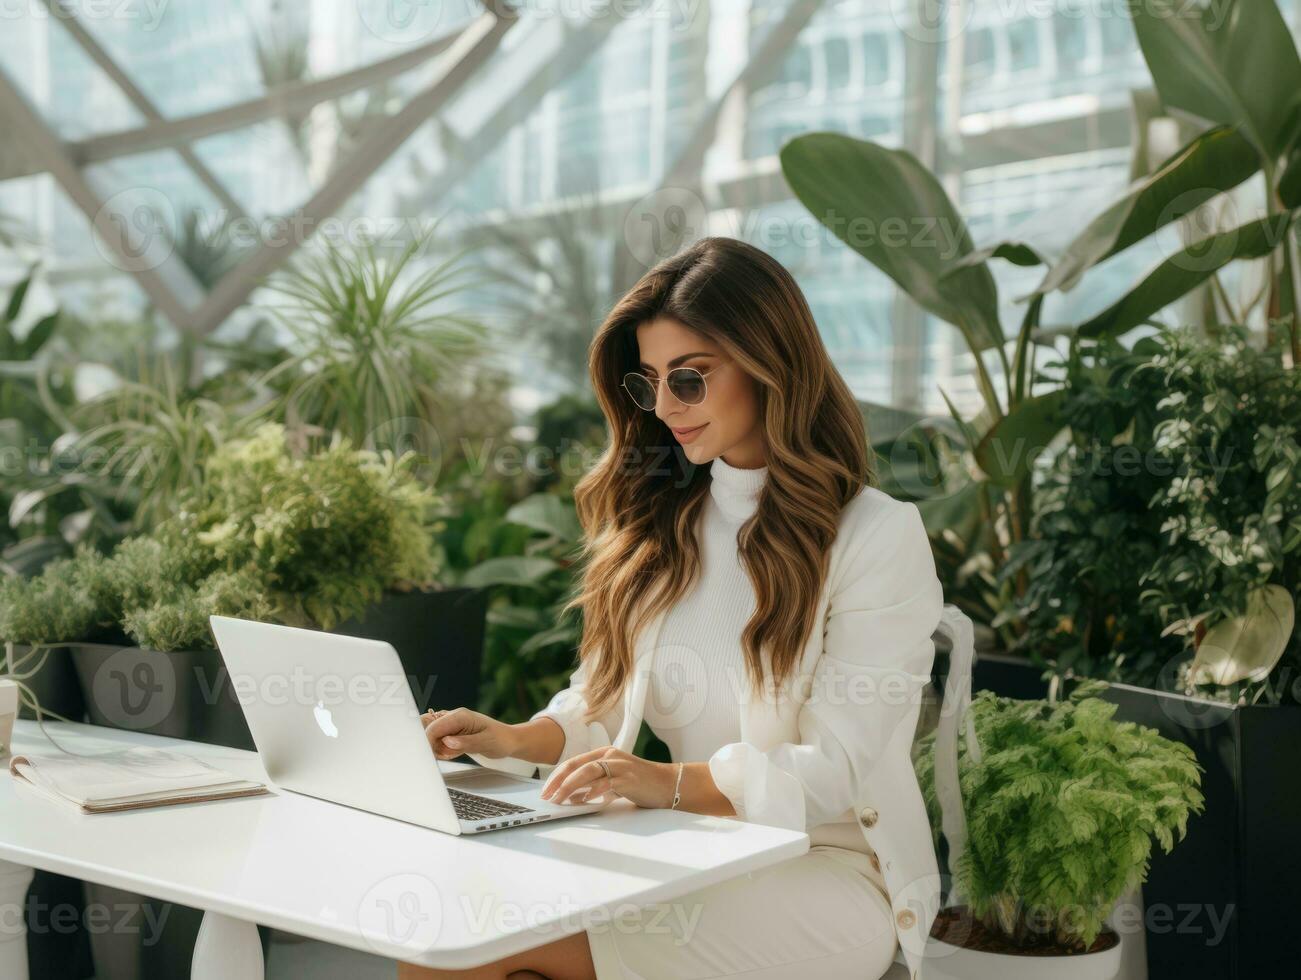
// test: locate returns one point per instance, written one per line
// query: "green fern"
(1061, 812)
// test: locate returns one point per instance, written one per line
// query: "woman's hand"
(581, 779)
(459, 730)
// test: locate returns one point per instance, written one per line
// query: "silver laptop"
(333, 717)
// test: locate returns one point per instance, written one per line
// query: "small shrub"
(1061, 812)
(308, 541)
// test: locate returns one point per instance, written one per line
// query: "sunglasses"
(686, 384)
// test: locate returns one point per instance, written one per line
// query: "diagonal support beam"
(297, 97)
(63, 12)
(474, 46)
(143, 252)
(553, 51)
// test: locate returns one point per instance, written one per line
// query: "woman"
(750, 595)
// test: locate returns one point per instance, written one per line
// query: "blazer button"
(906, 919)
(867, 817)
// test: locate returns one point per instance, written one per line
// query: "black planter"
(1008, 676)
(181, 694)
(187, 694)
(439, 639)
(1214, 905)
(58, 945)
(55, 685)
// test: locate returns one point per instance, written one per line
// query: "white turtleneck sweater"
(698, 675)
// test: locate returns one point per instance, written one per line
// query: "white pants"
(815, 917)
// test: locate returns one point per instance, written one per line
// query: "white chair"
(954, 720)
(956, 628)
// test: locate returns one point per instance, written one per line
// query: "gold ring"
(604, 767)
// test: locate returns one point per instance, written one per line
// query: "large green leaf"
(890, 209)
(38, 336)
(546, 512)
(1214, 162)
(1017, 252)
(959, 511)
(1247, 647)
(1229, 61)
(509, 570)
(885, 423)
(1009, 449)
(16, 298)
(1187, 269)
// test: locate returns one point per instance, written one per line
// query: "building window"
(876, 60)
(1023, 44)
(835, 54)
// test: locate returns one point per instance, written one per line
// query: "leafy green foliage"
(178, 620)
(1092, 532)
(49, 505)
(58, 604)
(308, 541)
(1061, 809)
(524, 553)
(373, 345)
(327, 534)
(1231, 518)
(152, 437)
(1177, 498)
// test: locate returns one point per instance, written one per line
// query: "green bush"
(1174, 506)
(326, 534)
(1061, 812)
(55, 605)
(179, 619)
(1230, 518)
(308, 541)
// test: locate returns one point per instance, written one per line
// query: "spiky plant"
(374, 341)
(1062, 808)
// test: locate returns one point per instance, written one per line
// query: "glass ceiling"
(553, 128)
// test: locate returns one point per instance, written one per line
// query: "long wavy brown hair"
(639, 504)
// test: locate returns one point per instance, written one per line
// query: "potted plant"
(1165, 556)
(341, 539)
(1229, 89)
(1058, 805)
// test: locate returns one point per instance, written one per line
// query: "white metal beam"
(285, 99)
(551, 53)
(64, 13)
(469, 51)
(150, 259)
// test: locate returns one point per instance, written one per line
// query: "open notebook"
(126, 779)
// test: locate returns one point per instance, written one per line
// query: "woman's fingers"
(437, 729)
(583, 782)
(562, 771)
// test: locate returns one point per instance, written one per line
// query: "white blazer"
(837, 738)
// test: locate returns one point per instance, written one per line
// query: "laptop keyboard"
(470, 806)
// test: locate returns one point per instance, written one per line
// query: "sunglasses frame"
(656, 385)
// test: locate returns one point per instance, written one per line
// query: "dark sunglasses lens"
(687, 386)
(640, 389)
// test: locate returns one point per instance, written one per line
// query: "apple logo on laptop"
(324, 720)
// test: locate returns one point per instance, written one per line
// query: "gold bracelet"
(677, 797)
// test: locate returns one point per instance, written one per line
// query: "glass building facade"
(1023, 113)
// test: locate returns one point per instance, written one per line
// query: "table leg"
(226, 949)
(15, 879)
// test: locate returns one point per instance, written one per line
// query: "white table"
(355, 879)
